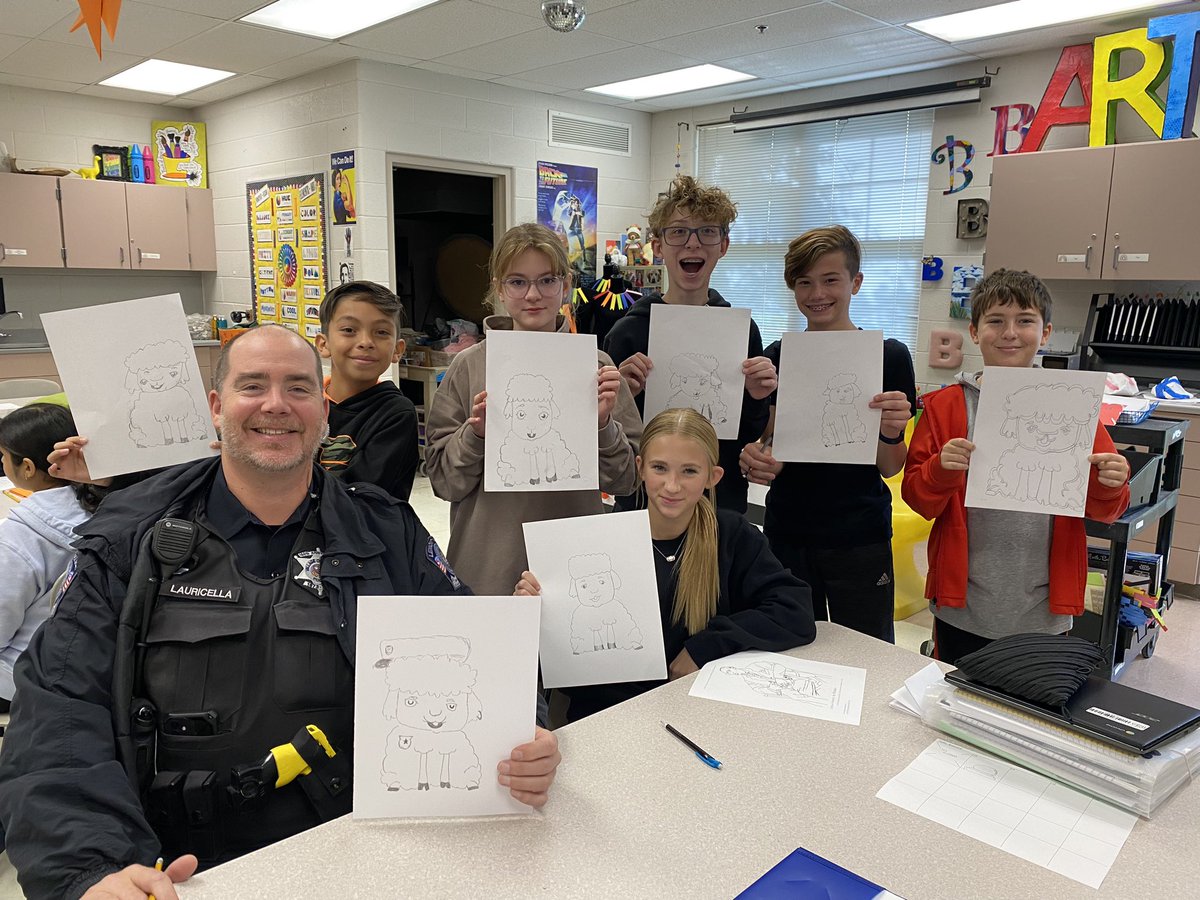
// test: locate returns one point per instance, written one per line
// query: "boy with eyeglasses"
(689, 229)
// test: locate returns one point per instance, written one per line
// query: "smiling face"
(823, 293)
(594, 590)
(531, 418)
(695, 386)
(160, 378)
(432, 712)
(676, 472)
(1010, 336)
(531, 310)
(689, 267)
(843, 394)
(1046, 436)
(361, 342)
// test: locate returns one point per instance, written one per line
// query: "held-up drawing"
(1033, 433)
(601, 620)
(840, 421)
(533, 450)
(541, 423)
(161, 409)
(697, 384)
(431, 699)
(771, 679)
(440, 701)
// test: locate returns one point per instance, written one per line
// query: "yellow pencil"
(157, 868)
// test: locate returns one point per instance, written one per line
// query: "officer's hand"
(139, 882)
(530, 770)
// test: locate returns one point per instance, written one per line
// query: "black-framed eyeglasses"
(677, 235)
(518, 288)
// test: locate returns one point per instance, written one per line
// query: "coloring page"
(801, 687)
(826, 380)
(698, 354)
(135, 389)
(541, 432)
(1033, 434)
(601, 621)
(444, 688)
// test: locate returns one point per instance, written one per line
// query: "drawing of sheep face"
(843, 393)
(596, 589)
(1050, 418)
(532, 419)
(1047, 436)
(160, 378)
(695, 374)
(433, 712)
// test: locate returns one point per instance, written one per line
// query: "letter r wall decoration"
(945, 154)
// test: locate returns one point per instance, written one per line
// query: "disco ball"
(564, 15)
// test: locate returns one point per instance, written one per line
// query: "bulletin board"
(287, 251)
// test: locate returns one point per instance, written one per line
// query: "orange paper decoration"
(92, 13)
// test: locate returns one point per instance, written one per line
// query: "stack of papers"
(910, 696)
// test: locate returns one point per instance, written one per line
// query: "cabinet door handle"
(3, 253)
(139, 256)
(1116, 253)
(121, 250)
(1087, 258)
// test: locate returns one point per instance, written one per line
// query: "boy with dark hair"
(993, 573)
(845, 552)
(372, 425)
(689, 229)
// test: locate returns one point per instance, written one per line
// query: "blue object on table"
(802, 874)
(1171, 389)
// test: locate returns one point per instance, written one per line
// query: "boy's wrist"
(898, 439)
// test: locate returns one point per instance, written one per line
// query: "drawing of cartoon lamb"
(1050, 423)
(162, 411)
(697, 384)
(840, 422)
(533, 451)
(770, 679)
(431, 698)
(600, 622)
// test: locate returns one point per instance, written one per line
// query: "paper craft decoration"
(95, 12)
(698, 354)
(1012, 809)
(826, 381)
(541, 413)
(1033, 434)
(287, 251)
(135, 389)
(180, 153)
(601, 621)
(445, 688)
(800, 687)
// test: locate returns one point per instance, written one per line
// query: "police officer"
(209, 616)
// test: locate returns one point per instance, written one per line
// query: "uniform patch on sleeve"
(68, 577)
(434, 554)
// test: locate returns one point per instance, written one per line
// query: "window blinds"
(870, 174)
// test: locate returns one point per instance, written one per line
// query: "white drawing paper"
(826, 381)
(601, 620)
(540, 430)
(698, 354)
(1033, 434)
(800, 687)
(130, 374)
(445, 688)
(1013, 809)
(910, 697)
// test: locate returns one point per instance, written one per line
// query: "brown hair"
(698, 584)
(518, 239)
(804, 251)
(377, 295)
(221, 369)
(703, 202)
(1009, 286)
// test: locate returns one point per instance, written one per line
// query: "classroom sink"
(22, 338)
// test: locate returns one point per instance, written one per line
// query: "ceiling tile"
(10, 43)
(543, 48)
(864, 50)
(536, 86)
(655, 20)
(25, 19)
(619, 65)
(321, 58)
(221, 9)
(534, 7)
(912, 10)
(727, 93)
(65, 62)
(435, 66)
(230, 87)
(240, 48)
(112, 93)
(453, 25)
(40, 84)
(142, 31)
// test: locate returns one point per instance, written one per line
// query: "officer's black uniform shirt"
(262, 550)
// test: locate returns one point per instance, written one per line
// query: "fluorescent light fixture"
(693, 79)
(330, 19)
(157, 76)
(1022, 15)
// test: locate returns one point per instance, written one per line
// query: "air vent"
(583, 133)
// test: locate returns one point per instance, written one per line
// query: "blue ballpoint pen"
(704, 756)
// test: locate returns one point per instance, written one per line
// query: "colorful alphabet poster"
(287, 251)
(180, 153)
(341, 184)
(566, 203)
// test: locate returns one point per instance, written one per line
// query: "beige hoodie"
(487, 544)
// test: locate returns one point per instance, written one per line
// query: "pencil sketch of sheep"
(698, 385)
(600, 621)
(533, 451)
(431, 699)
(840, 421)
(161, 410)
(1052, 425)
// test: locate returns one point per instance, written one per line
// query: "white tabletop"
(634, 814)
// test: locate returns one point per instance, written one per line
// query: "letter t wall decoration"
(1185, 76)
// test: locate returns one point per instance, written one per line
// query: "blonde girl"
(720, 589)
(530, 280)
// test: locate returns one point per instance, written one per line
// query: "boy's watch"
(898, 439)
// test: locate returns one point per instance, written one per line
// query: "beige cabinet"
(158, 227)
(95, 233)
(202, 230)
(30, 228)
(1117, 213)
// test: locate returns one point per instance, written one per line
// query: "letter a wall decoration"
(1138, 90)
(1073, 63)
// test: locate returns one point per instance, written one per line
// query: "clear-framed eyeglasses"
(518, 288)
(677, 235)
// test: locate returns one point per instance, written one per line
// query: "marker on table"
(704, 756)
(157, 868)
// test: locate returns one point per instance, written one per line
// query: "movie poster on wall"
(287, 251)
(566, 203)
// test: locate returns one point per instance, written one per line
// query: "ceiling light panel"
(1023, 15)
(157, 76)
(679, 81)
(330, 19)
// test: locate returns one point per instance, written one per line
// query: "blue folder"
(802, 875)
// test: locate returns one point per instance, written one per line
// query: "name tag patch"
(177, 591)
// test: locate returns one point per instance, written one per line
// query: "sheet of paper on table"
(800, 687)
(910, 696)
(1013, 809)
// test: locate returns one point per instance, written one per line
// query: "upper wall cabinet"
(30, 231)
(202, 229)
(158, 227)
(1117, 213)
(95, 224)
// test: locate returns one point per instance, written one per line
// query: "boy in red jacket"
(993, 573)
